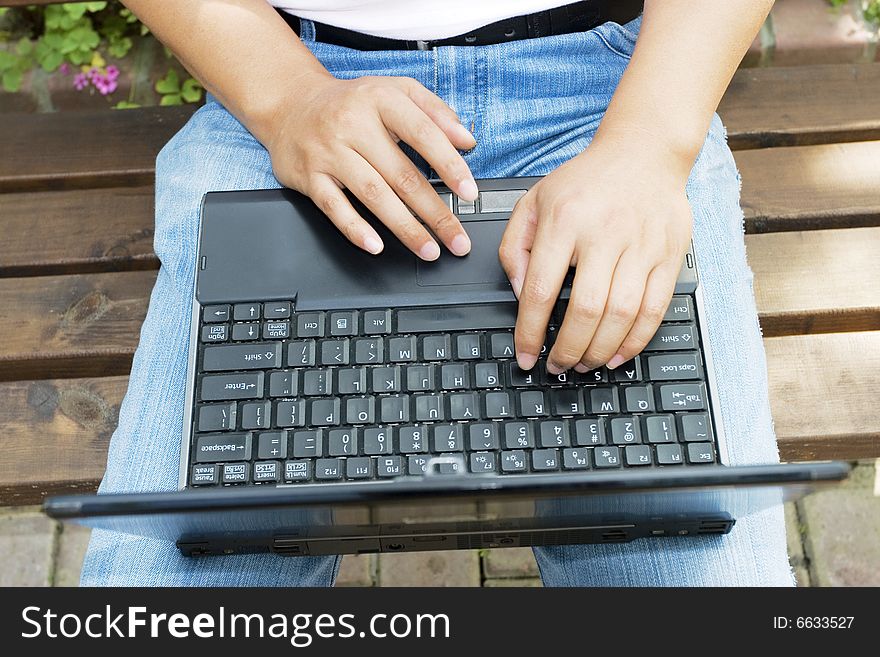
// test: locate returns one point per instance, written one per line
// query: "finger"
(624, 300)
(658, 293)
(412, 187)
(589, 294)
(516, 244)
(413, 126)
(441, 114)
(327, 195)
(371, 189)
(548, 265)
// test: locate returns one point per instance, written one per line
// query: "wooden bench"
(76, 268)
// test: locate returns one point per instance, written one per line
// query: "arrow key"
(246, 312)
(214, 314)
(276, 310)
(245, 332)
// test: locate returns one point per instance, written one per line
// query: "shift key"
(248, 385)
(253, 356)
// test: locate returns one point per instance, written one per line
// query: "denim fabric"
(531, 105)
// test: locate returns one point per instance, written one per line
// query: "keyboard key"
(342, 442)
(290, 413)
(377, 440)
(638, 455)
(412, 440)
(606, 457)
(215, 314)
(368, 351)
(420, 378)
(457, 318)
(324, 412)
(310, 325)
(638, 399)
(317, 382)
(553, 433)
(360, 410)
(343, 323)
(628, 372)
(465, 207)
(455, 376)
(298, 470)
(695, 427)
(514, 461)
(518, 435)
(390, 466)
(301, 353)
(500, 200)
(266, 471)
(700, 453)
(205, 475)
(416, 465)
(561, 379)
(241, 357)
(501, 345)
(675, 367)
(447, 437)
(468, 346)
(359, 467)
(256, 415)
(217, 417)
(544, 460)
(482, 462)
(532, 403)
(378, 322)
(308, 444)
(386, 379)
(567, 402)
(217, 387)
(577, 458)
(351, 381)
(235, 473)
(604, 400)
(334, 352)
(669, 454)
(683, 397)
(328, 469)
(245, 332)
(660, 428)
(483, 436)
(589, 432)
(436, 347)
(246, 312)
(673, 337)
(429, 407)
(272, 445)
(498, 405)
(215, 333)
(520, 378)
(283, 384)
(464, 406)
(680, 310)
(599, 375)
(486, 375)
(625, 431)
(276, 310)
(394, 408)
(402, 349)
(276, 330)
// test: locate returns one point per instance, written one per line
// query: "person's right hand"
(344, 134)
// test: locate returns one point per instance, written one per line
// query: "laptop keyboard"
(286, 397)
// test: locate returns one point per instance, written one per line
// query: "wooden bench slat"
(811, 187)
(820, 281)
(65, 326)
(832, 377)
(77, 231)
(799, 105)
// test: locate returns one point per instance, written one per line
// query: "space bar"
(457, 318)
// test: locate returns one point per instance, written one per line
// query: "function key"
(246, 312)
(214, 314)
(680, 310)
(245, 332)
(638, 455)
(669, 454)
(343, 323)
(700, 453)
(577, 458)
(514, 461)
(545, 459)
(276, 310)
(328, 469)
(377, 322)
(390, 466)
(482, 462)
(310, 325)
(606, 457)
(359, 467)
(215, 333)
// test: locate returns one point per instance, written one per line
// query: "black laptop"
(340, 402)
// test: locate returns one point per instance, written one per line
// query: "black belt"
(576, 17)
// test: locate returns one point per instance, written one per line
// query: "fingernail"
(553, 368)
(526, 361)
(373, 245)
(516, 284)
(467, 189)
(580, 368)
(615, 361)
(461, 244)
(430, 251)
(465, 134)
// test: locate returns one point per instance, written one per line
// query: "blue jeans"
(533, 105)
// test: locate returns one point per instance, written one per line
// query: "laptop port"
(395, 547)
(614, 536)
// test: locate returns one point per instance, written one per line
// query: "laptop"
(340, 402)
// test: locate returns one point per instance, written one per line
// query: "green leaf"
(24, 47)
(75, 9)
(171, 99)
(119, 47)
(52, 39)
(124, 104)
(95, 6)
(191, 91)
(7, 60)
(12, 80)
(51, 61)
(170, 84)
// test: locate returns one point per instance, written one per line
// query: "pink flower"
(93, 73)
(112, 72)
(64, 68)
(104, 85)
(80, 81)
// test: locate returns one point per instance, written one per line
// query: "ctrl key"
(204, 475)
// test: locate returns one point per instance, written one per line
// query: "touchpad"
(481, 265)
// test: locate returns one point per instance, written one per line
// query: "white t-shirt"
(412, 19)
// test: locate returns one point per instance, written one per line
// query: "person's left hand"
(618, 213)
